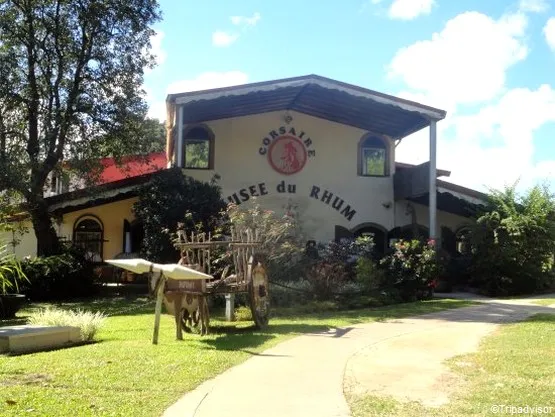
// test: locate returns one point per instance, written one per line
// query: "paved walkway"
(306, 376)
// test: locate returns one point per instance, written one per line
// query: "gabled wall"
(332, 170)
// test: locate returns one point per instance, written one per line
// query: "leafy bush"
(11, 272)
(513, 243)
(334, 265)
(243, 314)
(170, 201)
(59, 277)
(281, 240)
(369, 275)
(413, 269)
(87, 322)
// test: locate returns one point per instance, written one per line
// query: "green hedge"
(59, 277)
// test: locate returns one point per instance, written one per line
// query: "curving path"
(307, 375)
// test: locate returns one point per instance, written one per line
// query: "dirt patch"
(28, 379)
(411, 367)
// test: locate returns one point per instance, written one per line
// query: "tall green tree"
(71, 75)
(171, 198)
(513, 242)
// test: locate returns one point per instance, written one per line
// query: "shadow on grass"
(111, 306)
(246, 338)
(18, 321)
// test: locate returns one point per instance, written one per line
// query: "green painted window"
(197, 149)
(373, 154)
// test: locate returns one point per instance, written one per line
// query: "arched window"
(198, 148)
(88, 234)
(378, 235)
(448, 240)
(463, 246)
(408, 232)
(373, 157)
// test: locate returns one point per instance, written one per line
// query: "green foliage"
(88, 322)
(71, 75)
(170, 201)
(59, 277)
(413, 268)
(333, 266)
(369, 275)
(513, 243)
(197, 154)
(11, 215)
(11, 272)
(281, 239)
(155, 134)
(243, 313)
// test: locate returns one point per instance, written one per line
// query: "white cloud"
(204, 81)
(157, 110)
(246, 21)
(465, 62)
(493, 147)
(487, 146)
(222, 39)
(208, 80)
(549, 32)
(409, 9)
(533, 6)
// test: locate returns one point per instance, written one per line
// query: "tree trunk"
(47, 239)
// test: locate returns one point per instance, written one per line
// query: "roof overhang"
(312, 95)
(97, 195)
(450, 203)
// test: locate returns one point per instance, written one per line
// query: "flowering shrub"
(413, 268)
(335, 264)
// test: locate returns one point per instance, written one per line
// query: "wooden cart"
(248, 276)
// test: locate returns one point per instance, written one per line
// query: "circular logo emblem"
(287, 155)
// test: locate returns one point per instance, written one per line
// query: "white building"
(322, 148)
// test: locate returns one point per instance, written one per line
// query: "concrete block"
(32, 338)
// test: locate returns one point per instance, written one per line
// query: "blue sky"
(490, 64)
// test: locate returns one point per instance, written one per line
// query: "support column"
(433, 182)
(179, 138)
(230, 307)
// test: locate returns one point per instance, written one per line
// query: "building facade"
(310, 146)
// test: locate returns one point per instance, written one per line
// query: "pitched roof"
(313, 95)
(131, 166)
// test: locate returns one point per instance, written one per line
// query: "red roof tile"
(131, 166)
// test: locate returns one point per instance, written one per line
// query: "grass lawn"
(125, 375)
(544, 301)
(515, 366)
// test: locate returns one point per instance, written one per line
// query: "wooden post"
(158, 308)
(230, 307)
(178, 316)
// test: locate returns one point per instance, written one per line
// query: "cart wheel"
(258, 295)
